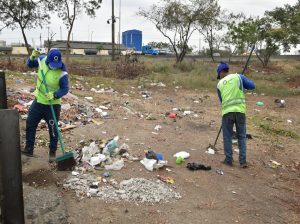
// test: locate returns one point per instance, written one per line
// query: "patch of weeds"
(185, 66)
(278, 131)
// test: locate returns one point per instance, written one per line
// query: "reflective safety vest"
(232, 94)
(52, 79)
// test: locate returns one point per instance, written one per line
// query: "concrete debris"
(44, 206)
(138, 190)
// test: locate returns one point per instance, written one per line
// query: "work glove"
(49, 96)
(34, 54)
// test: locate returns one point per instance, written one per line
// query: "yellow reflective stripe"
(234, 103)
(234, 99)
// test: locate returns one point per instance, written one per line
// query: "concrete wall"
(102, 52)
(77, 51)
(19, 50)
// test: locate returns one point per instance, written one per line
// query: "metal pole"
(113, 30)
(119, 27)
(12, 206)
(3, 97)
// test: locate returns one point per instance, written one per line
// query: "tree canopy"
(23, 14)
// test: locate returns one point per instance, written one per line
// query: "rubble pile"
(134, 190)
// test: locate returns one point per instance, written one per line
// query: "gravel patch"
(133, 190)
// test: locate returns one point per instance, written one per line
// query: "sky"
(97, 29)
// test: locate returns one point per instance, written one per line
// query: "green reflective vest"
(232, 94)
(52, 79)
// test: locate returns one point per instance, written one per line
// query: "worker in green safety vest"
(231, 94)
(58, 85)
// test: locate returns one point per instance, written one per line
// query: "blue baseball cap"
(54, 58)
(222, 66)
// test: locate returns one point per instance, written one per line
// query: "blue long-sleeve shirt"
(247, 84)
(63, 81)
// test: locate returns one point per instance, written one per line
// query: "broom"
(66, 161)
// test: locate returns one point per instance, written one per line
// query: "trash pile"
(133, 190)
(103, 154)
(72, 114)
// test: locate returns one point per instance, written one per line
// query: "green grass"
(279, 79)
(278, 131)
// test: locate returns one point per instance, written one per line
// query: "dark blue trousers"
(37, 112)
(239, 120)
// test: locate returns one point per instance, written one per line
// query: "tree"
(23, 14)
(275, 30)
(287, 20)
(209, 25)
(50, 41)
(99, 47)
(69, 10)
(175, 21)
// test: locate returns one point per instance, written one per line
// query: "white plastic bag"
(182, 154)
(117, 165)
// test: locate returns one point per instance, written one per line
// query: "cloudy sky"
(96, 29)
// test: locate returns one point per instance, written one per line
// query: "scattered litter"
(179, 160)
(182, 154)
(210, 151)
(197, 166)
(75, 173)
(172, 115)
(233, 192)
(157, 127)
(274, 164)
(219, 171)
(20, 108)
(168, 180)
(68, 127)
(155, 133)
(151, 164)
(117, 165)
(151, 155)
(289, 121)
(89, 98)
(66, 106)
(24, 117)
(150, 117)
(109, 149)
(187, 112)
(95, 160)
(280, 103)
(260, 104)
(169, 170)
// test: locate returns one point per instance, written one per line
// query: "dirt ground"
(258, 194)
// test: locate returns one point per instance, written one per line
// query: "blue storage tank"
(132, 39)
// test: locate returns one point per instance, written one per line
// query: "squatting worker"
(58, 84)
(231, 94)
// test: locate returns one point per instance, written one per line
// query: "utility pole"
(119, 27)
(60, 33)
(199, 43)
(40, 40)
(113, 30)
